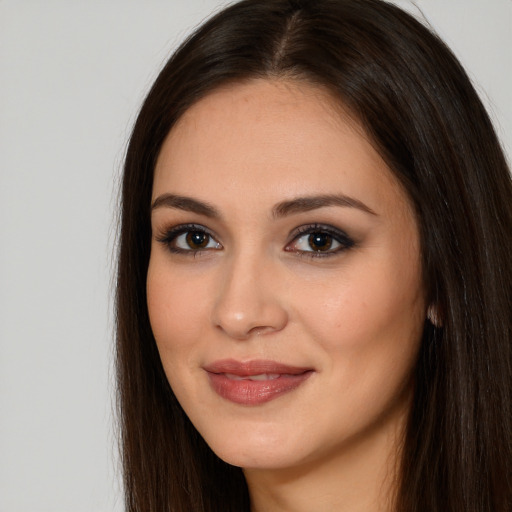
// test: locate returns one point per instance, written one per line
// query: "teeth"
(261, 376)
(233, 377)
(264, 376)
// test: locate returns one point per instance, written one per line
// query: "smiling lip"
(254, 382)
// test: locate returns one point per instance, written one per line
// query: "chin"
(259, 449)
(254, 458)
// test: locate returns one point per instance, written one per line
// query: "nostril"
(245, 307)
(258, 331)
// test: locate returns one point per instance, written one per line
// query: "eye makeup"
(319, 241)
(189, 238)
(311, 240)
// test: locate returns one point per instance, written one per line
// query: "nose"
(249, 302)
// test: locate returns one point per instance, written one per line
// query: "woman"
(314, 288)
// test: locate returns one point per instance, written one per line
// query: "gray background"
(73, 74)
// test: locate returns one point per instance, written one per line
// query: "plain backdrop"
(73, 74)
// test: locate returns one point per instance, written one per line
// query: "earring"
(433, 315)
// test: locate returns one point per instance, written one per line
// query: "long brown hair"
(424, 117)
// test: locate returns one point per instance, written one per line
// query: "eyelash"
(338, 236)
(171, 235)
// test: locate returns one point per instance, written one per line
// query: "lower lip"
(255, 392)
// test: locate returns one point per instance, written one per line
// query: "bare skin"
(279, 234)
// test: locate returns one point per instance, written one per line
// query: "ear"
(434, 315)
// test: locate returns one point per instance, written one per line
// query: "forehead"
(270, 138)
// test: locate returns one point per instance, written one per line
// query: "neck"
(359, 476)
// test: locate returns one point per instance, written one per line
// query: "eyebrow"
(185, 203)
(308, 203)
(282, 209)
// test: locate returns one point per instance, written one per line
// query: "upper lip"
(254, 367)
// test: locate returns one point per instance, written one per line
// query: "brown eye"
(320, 241)
(190, 239)
(197, 239)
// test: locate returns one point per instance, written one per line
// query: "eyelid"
(169, 235)
(345, 241)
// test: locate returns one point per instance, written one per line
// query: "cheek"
(369, 330)
(173, 312)
(173, 306)
(366, 313)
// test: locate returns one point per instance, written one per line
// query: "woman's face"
(284, 284)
